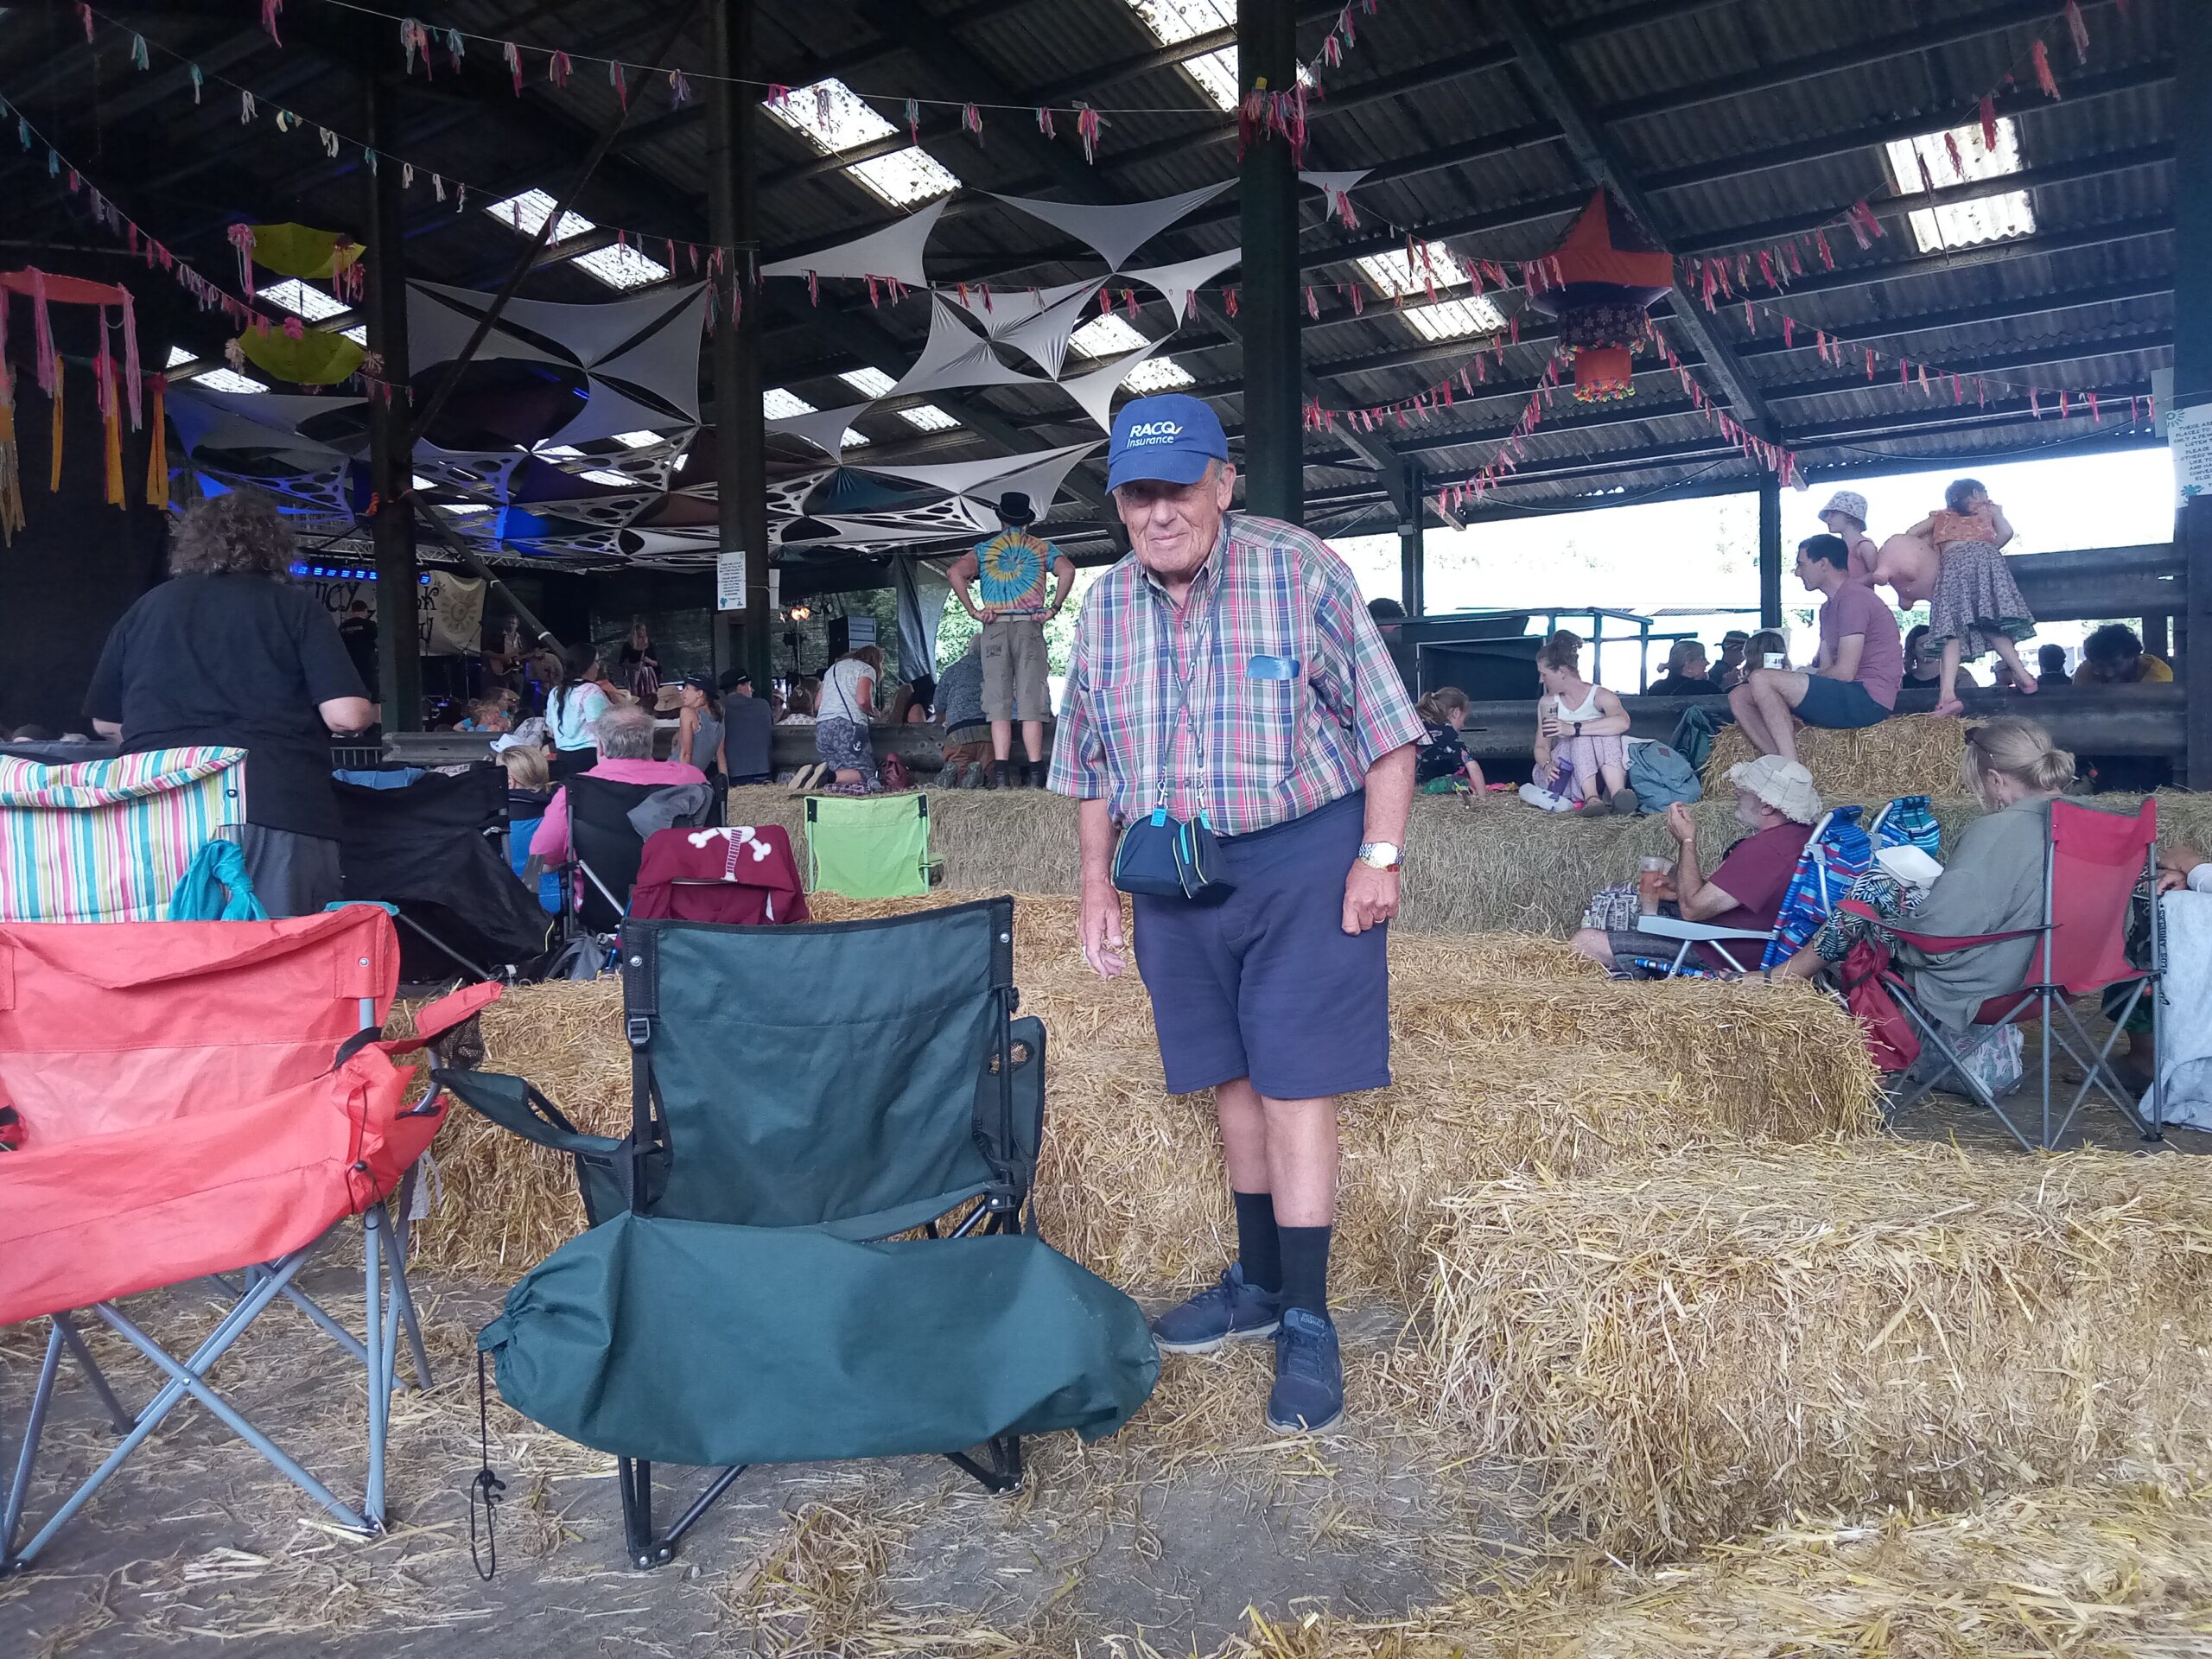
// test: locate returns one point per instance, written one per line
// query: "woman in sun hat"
(1845, 516)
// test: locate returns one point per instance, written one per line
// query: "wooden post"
(2193, 378)
(1413, 545)
(1771, 553)
(741, 444)
(391, 449)
(1273, 302)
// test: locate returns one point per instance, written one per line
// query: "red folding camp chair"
(198, 1099)
(2090, 870)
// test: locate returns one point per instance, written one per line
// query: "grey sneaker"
(1231, 1311)
(1309, 1392)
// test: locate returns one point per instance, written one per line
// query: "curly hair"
(239, 534)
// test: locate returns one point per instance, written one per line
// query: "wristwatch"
(1381, 855)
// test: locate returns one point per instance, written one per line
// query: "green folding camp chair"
(814, 1242)
(868, 846)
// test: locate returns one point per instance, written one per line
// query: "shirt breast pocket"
(1271, 699)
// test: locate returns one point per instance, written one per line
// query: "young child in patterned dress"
(1976, 606)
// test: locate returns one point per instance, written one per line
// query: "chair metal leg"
(97, 1378)
(1004, 1473)
(404, 1294)
(33, 1425)
(187, 1378)
(379, 1358)
(647, 1550)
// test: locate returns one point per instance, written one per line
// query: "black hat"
(1015, 509)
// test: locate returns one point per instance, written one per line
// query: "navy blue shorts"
(1840, 705)
(1266, 984)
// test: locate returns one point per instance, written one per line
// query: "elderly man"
(625, 737)
(1227, 674)
(1776, 802)
(1853, 681)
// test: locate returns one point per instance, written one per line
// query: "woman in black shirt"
(229, 652)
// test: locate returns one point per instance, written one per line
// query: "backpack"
(1694, 735)
(1661, 776)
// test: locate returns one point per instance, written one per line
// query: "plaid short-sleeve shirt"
(1289, 694)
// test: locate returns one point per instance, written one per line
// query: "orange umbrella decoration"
(115, 389)
(1605, 275)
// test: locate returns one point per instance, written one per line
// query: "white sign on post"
(730, 583)
(2188, 436)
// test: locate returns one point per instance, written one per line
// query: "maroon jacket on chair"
(744, 875)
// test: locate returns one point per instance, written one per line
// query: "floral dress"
(1975, 600)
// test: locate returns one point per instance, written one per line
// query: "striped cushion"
(107, 841)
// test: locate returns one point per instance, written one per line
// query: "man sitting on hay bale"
(1228, 682)
(1853, 682)
(1776, 802)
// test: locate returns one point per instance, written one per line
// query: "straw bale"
(1906, 754)
(1511, 1053)
(1487, 864)
(2077, 1570)
(1738, 1334)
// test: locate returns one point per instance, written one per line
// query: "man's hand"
(1679, 824)
(1371, 897)
(1100, 931)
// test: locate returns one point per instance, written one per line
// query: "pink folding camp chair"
(198, 1099)
(2090, 870)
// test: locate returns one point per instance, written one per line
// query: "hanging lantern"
(1606, 274)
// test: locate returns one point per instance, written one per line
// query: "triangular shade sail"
(955, 356)
(986, 479)
(1042, 339)
(824, 429)
(1177, 281)
(1095, 391)
(894, 251)
(1115, 233)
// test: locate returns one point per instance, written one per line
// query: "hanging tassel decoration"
(621, 87)
(1086, 128)
(679, 89)
(513, 54)
(2080, 29)
(85, 16)
(1251, 115)
(1228, 302)
(913, 121)
(2045, 79)
(242, 239)
(971, 122)
(138, 59)
(557, 68)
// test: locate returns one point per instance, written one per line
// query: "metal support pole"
(391, 445)
(1413, 550)
(1771, 553)
(1274, 460)
(2193, 382)
(741, 453)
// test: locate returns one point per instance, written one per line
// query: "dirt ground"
(1158, 1538)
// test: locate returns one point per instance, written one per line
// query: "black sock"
(1304, 1268)
(1256, 1240)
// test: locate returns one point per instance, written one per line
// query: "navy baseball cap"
(1168, 438)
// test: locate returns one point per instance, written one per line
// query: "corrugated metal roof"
(1741, 118)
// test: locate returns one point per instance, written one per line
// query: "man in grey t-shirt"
(747, 724)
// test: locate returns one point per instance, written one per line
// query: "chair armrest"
(1668, 927)
(514, 1105)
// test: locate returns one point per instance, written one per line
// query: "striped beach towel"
(108, 841)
